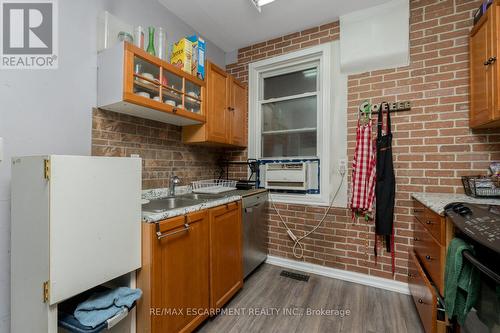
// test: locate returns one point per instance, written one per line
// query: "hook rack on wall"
(392, 107)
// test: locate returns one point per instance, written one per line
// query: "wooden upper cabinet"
(226, 261)
(226, 122)
(133, 82)
(484, 70)
(238, 114)
(174, 274)
(218, 87)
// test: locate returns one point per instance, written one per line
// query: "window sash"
(295, 130)
(289, 98)
(318, 94)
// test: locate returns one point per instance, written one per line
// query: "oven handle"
(467, 255)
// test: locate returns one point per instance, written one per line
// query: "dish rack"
(473, 188)
(213, 186)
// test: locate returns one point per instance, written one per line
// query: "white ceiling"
(232, 24)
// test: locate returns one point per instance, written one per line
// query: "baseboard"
(367, 280)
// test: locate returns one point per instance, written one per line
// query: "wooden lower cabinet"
(174, 274)
(431, 236)
(423, 294)
(226, 260)
(191, 265)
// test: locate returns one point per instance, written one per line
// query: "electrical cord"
(298, 246)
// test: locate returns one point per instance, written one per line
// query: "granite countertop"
(246, 193)
(151, 217)
(437, 201)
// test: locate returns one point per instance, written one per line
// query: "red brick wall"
(433, 145)
(159, 145)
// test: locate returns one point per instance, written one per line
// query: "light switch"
(1, 149)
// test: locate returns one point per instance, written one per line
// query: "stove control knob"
(464, 211)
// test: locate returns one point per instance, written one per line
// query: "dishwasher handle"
(251, 208)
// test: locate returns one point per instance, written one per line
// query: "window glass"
(292, 144)
(289, 84)
(290, 114)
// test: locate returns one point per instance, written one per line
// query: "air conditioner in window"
(290, 176)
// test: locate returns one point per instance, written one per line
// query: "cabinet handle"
(174, 110)
(159, 235)
(416, 239)
(418, 210)
(428, 257)
(490, 61)
(429, 222)
(421, 301)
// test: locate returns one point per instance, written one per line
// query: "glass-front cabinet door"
(155, 84)
(192, 97)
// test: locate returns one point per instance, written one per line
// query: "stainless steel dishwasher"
(255, 230)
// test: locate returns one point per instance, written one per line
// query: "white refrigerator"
(76, 224)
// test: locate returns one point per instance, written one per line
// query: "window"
(289, 108)
(297, 109)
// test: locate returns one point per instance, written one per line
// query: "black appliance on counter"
(479, 225)
(242, 184)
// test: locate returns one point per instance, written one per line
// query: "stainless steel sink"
(161, 205)
(202, 197)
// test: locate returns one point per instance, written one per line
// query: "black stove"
(479, 222)
(479, 225)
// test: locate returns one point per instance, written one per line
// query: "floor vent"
(295, 276)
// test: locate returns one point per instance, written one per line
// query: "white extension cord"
(297, 240)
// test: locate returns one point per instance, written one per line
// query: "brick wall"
(159, 145)
(433, 145)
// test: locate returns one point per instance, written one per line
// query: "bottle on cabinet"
(162, 44)
(151, 43)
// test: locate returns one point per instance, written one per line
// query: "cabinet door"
(495, 31)
(179, 274)
(482, 92)
(226, 261)
(218, 105)
(238, 114)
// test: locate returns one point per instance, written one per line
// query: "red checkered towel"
(363, 172)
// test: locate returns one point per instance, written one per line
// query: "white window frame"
(331, 128)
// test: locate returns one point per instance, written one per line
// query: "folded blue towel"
(102, 306)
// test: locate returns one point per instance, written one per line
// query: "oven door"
(485, 315)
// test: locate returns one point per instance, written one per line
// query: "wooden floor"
(371, 309)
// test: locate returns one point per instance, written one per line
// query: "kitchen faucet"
(174, 180)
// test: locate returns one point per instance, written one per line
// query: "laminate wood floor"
(269, 302)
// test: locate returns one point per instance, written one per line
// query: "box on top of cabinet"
(182, 55)
(199, 50)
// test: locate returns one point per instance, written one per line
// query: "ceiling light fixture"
(259, 3)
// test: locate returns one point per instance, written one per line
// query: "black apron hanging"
(385, 188)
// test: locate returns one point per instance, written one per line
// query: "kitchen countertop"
(153, 194)
(155, 217)
(437, 201)
(246, 193)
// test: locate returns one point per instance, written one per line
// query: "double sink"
(180, 201)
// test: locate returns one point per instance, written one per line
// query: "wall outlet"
(342, 166)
